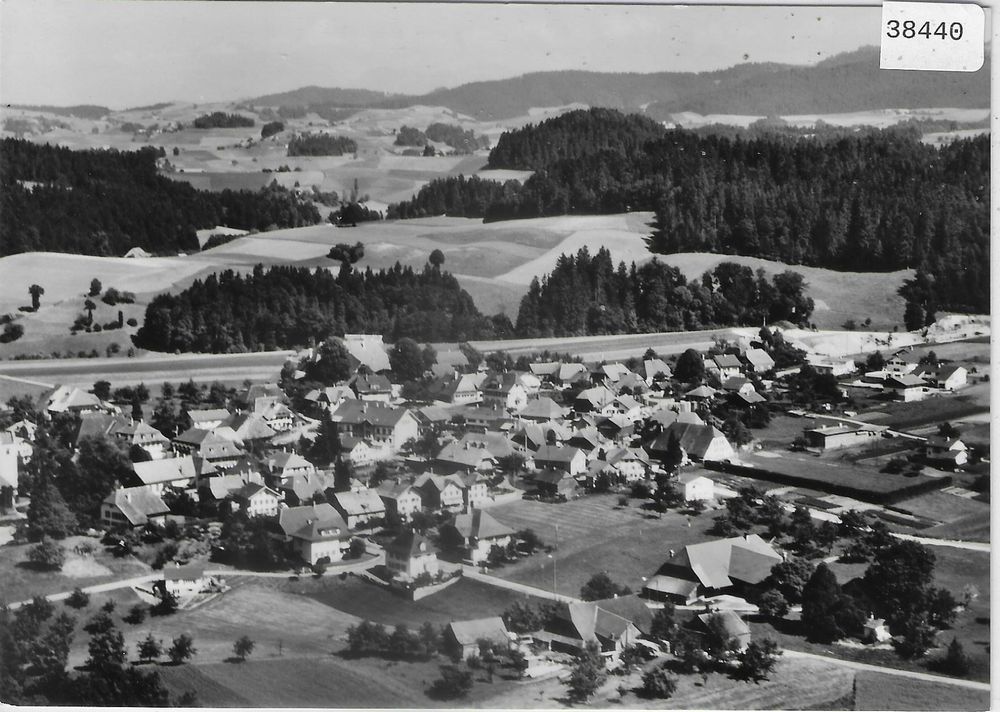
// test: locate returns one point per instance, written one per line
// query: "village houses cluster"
(479, 437)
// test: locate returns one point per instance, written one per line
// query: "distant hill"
(845, 82)
(82, 111)
(314, 95)
(507, 98)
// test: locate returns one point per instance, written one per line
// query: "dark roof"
(410, 544)
(552, 453)
(542, 407)
(726, 361)
(694, 439)
(188, 572)
(137, 504)
(315, 522)
(631, 608)
(469, 632)
(378, 414)
(95, 425)
(371, 383)
(480, 525)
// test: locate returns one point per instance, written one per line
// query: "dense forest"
(284, 307)
(878, 200)
(320, 144)
(106, 202)
(587, 294)
(222, 120)
(457, 196)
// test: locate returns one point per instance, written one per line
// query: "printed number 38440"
(909, 30)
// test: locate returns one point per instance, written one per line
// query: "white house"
(568, 459)
(184, 581)
(906, 387)
(410, 554)
(317, 533)
(947, 378)
(697, 488)
(400, 498)
(257, 500)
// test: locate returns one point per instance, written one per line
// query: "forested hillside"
(587, 294)
(874, 201)
(842, 83)
(106, 202)
(284, 307)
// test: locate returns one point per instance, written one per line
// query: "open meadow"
(494, 262)
(21, 580)
(875, 691)
(594, 535)
(461, 601)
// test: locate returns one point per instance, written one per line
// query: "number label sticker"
(944, 37)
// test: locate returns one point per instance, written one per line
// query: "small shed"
(875, 630)
(462, 638)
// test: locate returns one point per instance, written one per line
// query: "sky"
(122, 53)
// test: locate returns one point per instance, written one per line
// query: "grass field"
(495, 262)
(794, 684)
(822, 472)
(975, 527)
(329, 681)
(463, 600)
(838, 296)
(945, 507)
(595, 535)
(281, 625)
(970, 401)
(875, 691)
(20, 582)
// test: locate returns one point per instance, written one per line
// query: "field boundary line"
(912, 674)
(27, 380)
(472, 573)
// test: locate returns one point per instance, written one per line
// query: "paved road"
(954, 543)
(121, 371)
(913, 675)
(473, 573)
(98, 588)
(147, 578)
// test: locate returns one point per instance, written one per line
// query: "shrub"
(136, 614)
(773, 604)
(658, 683)
(78, 599)
(11, 332)
(166, 606)
(47, 554)
(454, 683)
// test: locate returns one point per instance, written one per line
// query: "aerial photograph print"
(482, 355)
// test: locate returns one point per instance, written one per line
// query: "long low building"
(832, 437)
